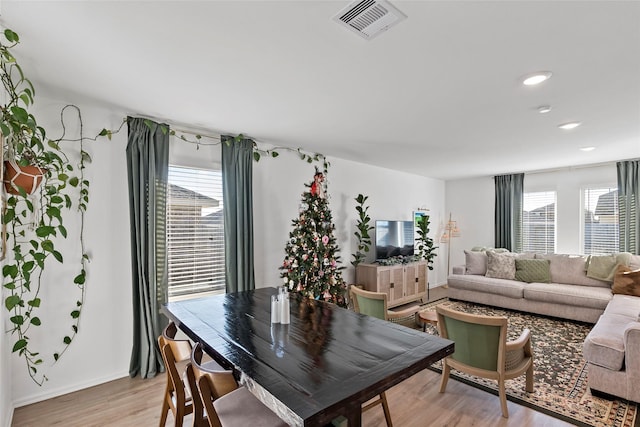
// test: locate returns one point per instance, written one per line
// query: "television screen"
(394, 238)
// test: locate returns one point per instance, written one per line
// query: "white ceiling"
(437, 95)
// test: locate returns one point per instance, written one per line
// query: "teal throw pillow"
(533, 270)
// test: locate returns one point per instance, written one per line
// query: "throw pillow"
(626, 281)
(475, 262)
(533, 270)
(501, 265)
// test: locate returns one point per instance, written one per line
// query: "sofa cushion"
(507, 288)
(501, 266)
(626, 281)
(533, 270)
(475, 262)
(570, 269)
(604, 346)
(624, 305)
(559, 293)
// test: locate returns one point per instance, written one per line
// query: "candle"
(275, 309)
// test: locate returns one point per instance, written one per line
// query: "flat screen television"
(394, 238)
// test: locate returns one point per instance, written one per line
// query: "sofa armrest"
(458, 269)
(632, 349)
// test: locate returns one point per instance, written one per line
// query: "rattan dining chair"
(482, 349)
(222, 402)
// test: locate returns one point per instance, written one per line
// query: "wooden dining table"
(326, 363)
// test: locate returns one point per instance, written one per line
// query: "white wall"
(278, 187)
(100, 352)
(471, 202)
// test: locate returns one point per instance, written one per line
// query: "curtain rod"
(176, 127)
(566, 168)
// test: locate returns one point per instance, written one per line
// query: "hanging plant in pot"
(41, 184)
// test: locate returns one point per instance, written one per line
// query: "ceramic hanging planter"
(15, 176)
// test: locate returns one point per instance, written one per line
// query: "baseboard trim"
(9, 418)
(49, 394)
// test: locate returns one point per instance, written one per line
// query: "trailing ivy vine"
(33, 224)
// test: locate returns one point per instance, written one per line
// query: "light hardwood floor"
(413, 403)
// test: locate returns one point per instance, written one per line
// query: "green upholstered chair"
(375, 304)
(481, 349)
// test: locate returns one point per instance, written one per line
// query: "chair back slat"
(181, 348)
(222, 381)
(370, 307)
(476, 345)
(372, 304)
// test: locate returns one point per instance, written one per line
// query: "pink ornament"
(320, 273)
(325, 240)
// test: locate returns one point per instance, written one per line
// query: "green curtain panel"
(237, 176)
(508, 211)
(147, 170)
(629, 205)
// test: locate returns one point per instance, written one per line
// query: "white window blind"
(601, 226)
(539, 222)
(195, 231)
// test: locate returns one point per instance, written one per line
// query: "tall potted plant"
(362, 234)
(33, 211)
(424, 246)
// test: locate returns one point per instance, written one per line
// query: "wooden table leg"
(355, 417)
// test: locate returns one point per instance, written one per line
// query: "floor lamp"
(451, 230)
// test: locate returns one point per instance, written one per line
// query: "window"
(601, 226)
(539, 222)
(195, 231)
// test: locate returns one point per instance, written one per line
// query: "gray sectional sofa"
(612, 348)
(570, 294)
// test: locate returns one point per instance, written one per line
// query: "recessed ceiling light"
(588, 148)
(570, 125)
(544, 109)
(536, 78)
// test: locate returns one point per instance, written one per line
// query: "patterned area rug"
(561, 388)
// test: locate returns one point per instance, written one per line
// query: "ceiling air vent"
(368, 18)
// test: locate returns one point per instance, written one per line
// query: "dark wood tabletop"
(325, 363)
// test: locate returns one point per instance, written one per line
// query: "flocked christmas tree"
(311, 264)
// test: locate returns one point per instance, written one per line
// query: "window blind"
(195, 231)
(601, 225)
(539, 222)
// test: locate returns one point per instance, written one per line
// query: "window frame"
(524, 246)
(612, 186)
(198, 290)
